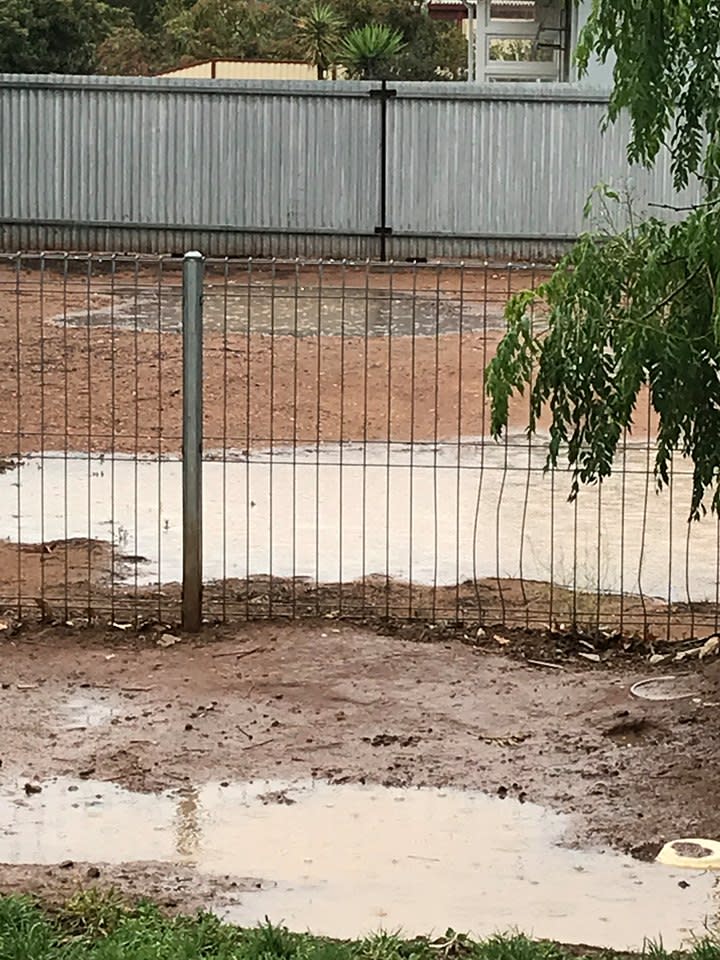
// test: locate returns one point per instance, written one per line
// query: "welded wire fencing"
(347, 465)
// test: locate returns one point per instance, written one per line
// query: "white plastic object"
(691, 853)
(661, 688)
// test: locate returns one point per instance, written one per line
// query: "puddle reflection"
(348, 860)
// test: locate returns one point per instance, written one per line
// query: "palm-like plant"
(367, 52)
(319, 36)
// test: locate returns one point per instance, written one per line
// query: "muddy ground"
(84, 582)
(94, 363)
(81, 580)
(91, 367)
(173, 886)
(332, 701)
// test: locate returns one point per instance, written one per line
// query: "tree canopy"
(638, 306)
(53, 36)
(148, 36)
(667, 76)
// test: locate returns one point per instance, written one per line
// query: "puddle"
(339, 513)
(347, 860)
(307, 311)
(86, 709)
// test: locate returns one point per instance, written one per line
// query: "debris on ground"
(691, 853)
(276, 796)
(706, 649)
(662, 688)
(167, 640)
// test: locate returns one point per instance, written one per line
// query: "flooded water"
(431, 514)
(348, 860)
(304, 311)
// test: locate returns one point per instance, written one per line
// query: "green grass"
(99, 926)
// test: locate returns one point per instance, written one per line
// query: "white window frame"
(488, 29)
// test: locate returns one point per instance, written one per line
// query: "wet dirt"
(26, 569)
(336, 702)
(346, 860)
(117, 386)
(177, 887)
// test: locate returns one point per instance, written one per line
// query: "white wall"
(598, 74)
(246, 70)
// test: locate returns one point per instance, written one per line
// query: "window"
(518, 49)
(512, 9)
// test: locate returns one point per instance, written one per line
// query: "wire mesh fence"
(347, 465)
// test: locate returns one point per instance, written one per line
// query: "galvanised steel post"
(193, 266)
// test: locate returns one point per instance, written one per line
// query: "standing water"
(426, 513)
(348, 860)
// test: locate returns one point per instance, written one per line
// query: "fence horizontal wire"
(348, 469)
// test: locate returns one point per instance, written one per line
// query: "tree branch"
(673, 293)
(692, 206)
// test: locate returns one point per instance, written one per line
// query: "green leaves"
(319, 32)
(368, 52)
(221, 28)
(53, 36)
(631, 310)
(512, 368)
(667, 76)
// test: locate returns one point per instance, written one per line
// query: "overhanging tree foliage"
(640, 306)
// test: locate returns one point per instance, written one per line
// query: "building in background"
(229, 69)
(515, 40)
(521, 39)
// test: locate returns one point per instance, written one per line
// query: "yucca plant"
(319, 33)
(367, 52)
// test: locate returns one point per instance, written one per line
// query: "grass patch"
(96, 925)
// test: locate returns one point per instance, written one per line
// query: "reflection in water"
(307, 311)
(347, 860)
(88, 709)
(187, 823)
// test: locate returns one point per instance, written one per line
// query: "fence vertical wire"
(349, 471)
(18, 418)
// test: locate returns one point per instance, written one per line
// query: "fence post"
(383, 230)
(192, 440)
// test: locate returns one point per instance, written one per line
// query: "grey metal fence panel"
(498, 163)
(132, 154)
(508, 168)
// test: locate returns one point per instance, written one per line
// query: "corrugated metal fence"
(292, 168)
